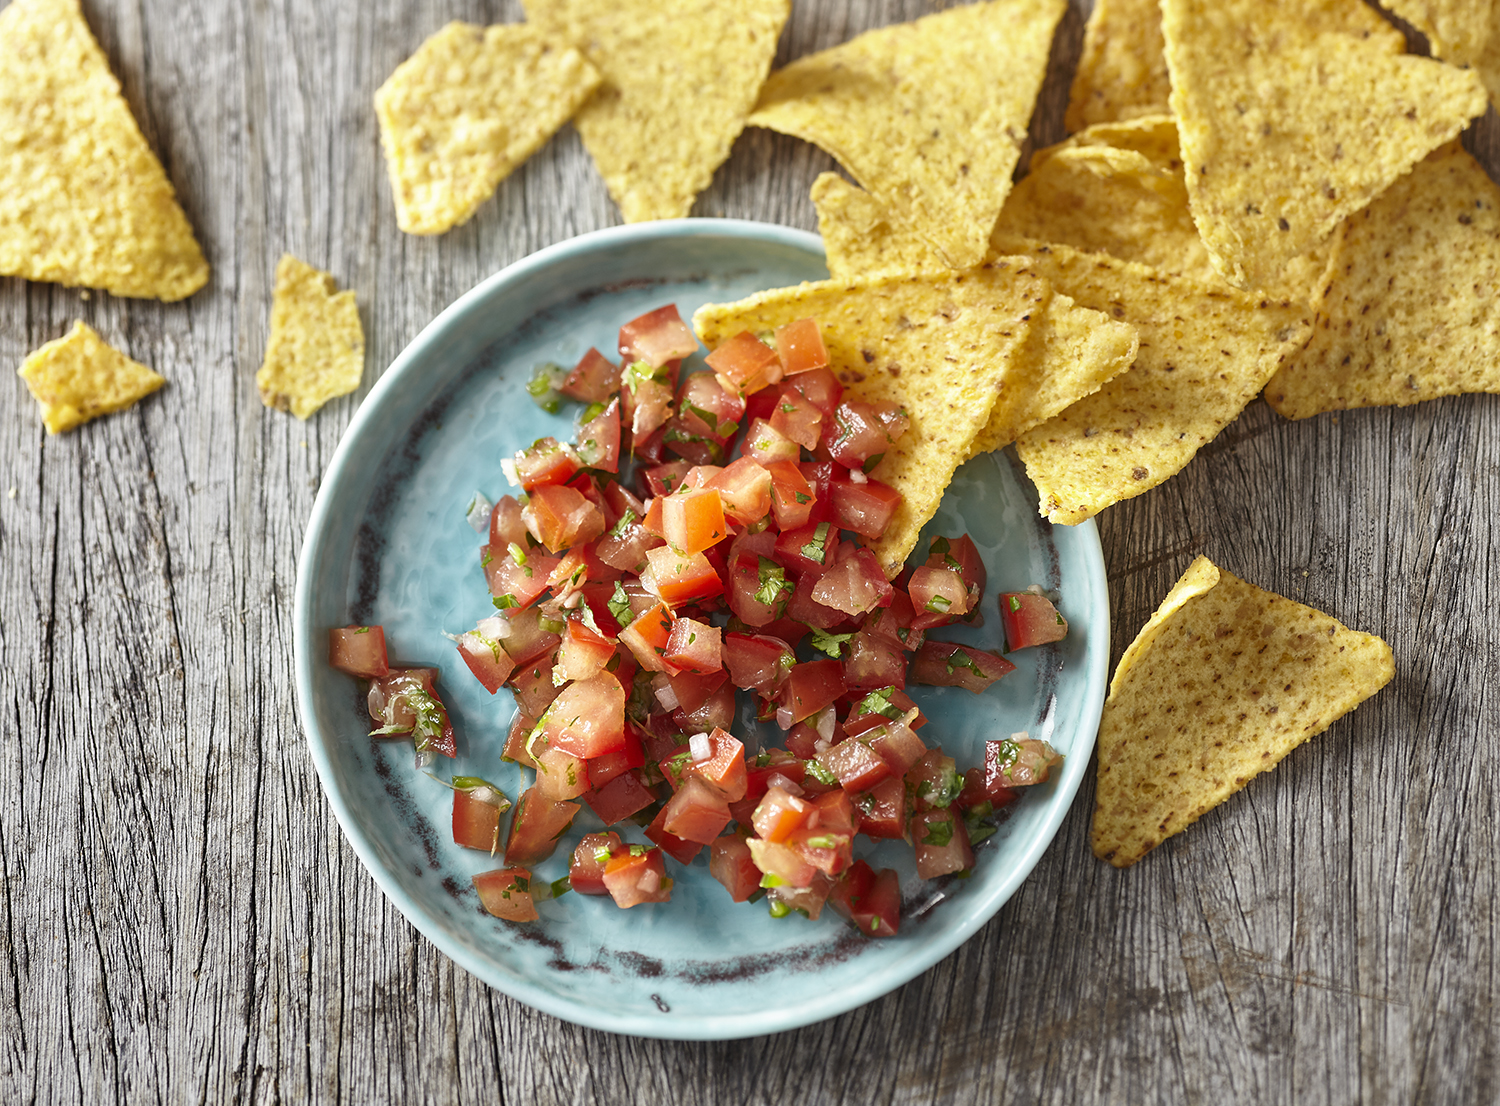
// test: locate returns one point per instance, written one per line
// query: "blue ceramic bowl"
(388, 543)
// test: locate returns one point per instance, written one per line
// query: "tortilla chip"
(1205, 352)
(679, 78)
(83, 200)
(317, 347)
(79, 377)
(1464, 32)
(1224, 681)
(1123, 71)
(939, 345)
(862, 238)
(1413, 310)
(928, 116)
(473, 103)
(1286, 132)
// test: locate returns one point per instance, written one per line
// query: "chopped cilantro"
(832, 644)
(939, 834)
(817, 770)
(817, 548)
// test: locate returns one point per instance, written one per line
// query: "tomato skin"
(781, 861)
(532, 683)
(812, 686)
(744, 364)
(1020, 763)
(586, 871)
(501, 893)
(632, 878)
(546, 461)
(730, 862)
(800, 346)
(724, 770)
(938, 595)
(1030, 619)
(657, 337)
(528, 638)
(744, 485)
(559, 774)
(767, 445)
(798, 418)
(779, 814)
(855, 585)
(810, 548)
(535, 825)
(618, 799)
(587, 719)
(605, 767)
(757, 661)
(359, 651)
(582, 653)
(593, 380)
(897, 744)
(874, 661)
(476, 824)
(792, 497)
(646, 637)
(515, 740)
(944, 664)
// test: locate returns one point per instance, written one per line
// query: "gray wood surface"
(183, 922)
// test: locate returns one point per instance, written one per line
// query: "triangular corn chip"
(1205, 353)
(1224, 681)
(679, 78)
(928, 116)
(862, 238)
(1286, 131)
(83, 200)
(470, 105)
(317, 347)
(1123, 71)
(939, 345)
(1413, 309)
(79, 377)
(1464, 32)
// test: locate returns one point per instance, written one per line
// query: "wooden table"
(183, 921)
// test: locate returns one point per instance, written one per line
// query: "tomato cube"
(745, 364)
(359, 651)
(883, 809)
(944, 664)
(779, 814)
(657, 337)
(618, 799)
(812, 686)
(559, 516)
(476, 818)
(695, 646)
(680, 579)
(692, 519)
(586, 870)
(1030, 619)
(678, 848)
(506, 894)
(593, 380)
(800, 346)
(535, 826)
(856, 766)
(730, 862)
(698, 812)
(406, 703)
(869, 900)
(942, 842)
(587, 718)
(724, 769)
(559, 774)
(482, 650)
(636, 875)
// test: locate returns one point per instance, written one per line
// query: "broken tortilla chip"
(1222, 683)
(928, 116)
(1464, 32)
(83, 200)
(317, 347)
(1122, 73)
(79, 377)
(1205, 352)
(1287, 130)
(473, 103)
(1413, 309)
(680, 76)
(938, 345)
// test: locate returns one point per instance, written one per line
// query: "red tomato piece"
(587, 719)
(586, 871)
(944, 664)
(694, 646)
(697, 812)
(809, 548)
(716, 710)
(797, 417)
(607, 766)
(583, 652)
(744, 364)
(515, 741)
(883, 809)
(692, 519)
(506, 893)
(757, 661)
(766, 445)
(791, 495)
(855, 585)
(856, 766)
(546, 461)
(632, 877)
(559, 516)
(724, 769)
(532, 683)
(657, 337)
(800, 346)
(483, 650)
(476, 822)
(870, 901)
(593, 380)
(782, 864)
(745, 487)
(938, 595)
(942, 843)
(779, 814)
(529, 638)
(406, 703)
(866, 508)
(599, 439)
(812, 686)
(359, 651)
(897, 744)
(619, 798)
(730, 862)
(678, 848)
(647, 636)
(535, 826)
(681, 579)
(1030, 619)
(823, 389)
(874, 661)
(559, 773)
(1019, 763)
(693, 689)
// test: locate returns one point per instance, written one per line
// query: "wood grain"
(182, 921)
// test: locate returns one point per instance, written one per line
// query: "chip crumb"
(1222, 682)
(459, 115)
(83, 200)
(316, 350)
(79, 377)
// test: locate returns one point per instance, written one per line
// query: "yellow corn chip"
(862, 238)
(1286, 132)
(79, 377)
(83, 200)
(939, 345)
(1123, 72)
(679, 78)
(928, 116)
(317, 347)
(1413, 310)
(1205, 353)
(1465, 32)
(473, 103)
(1224, 681)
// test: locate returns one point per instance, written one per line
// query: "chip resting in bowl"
(473, 103)
(1222, 683)
(83, 200)
(316, 350)
(79, 377)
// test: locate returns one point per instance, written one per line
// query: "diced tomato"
(884, 703)
(797, 417)
(757, 661)
(517, 576)
(535, 826)
(808, 900)
(559, 516)
(804, 608)
(861, 432)
(679, 578)
(587, 718)
(809, 548)
(692, 519)
(745, 487)
(586, 872)
(828, 850)
(961, 553)
(483, 651)
(933, 781)
(606, 766)
(678, 848)
(559, 773)
(822, 388)
(866, 508)
(767, 445)
(582, 654)
(716, 710)
(812, 686)
(791, 495)
(647, 636)
(546, 461)
(874, 661)
(530, 636)
(645, 406)
(593, 380)
(694, 646)
(800, 346)
(944, 664)
(599, 439)
(724, 769)
(782, 864)
(624, 545)
(855, 585)
(856, 766)
(506, 894)
(779, 814)
(730, 862)
(883, 809)
(476, 816)
(938, 595)
(406, 703)
(619, 798)
(942, 843)
(632, 877)
(758, 589)
(1030, 619)
(897, 744)
(359, 651)
(657, 337)
(1019, 763)
(745, 364)
(515, 740)
(697, 812)
(532, 683)
(870, 901)
(666, 478)
(894, 623)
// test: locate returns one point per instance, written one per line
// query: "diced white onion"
(784, 717)
(479, 513)
(701, 748)
(776, 779)
(857, 476)
(666, 696)
(508, 466)
(495, 628)
(825, 723)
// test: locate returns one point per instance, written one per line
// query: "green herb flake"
(832, 644)
(818, 771)
(1014, 602)
(817, 549)
(939, 604)
(939, 834)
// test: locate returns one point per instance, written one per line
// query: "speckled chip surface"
(927, 116)
(939, 345)
(1122, 72)
(679, 78)
(1222, 683)
(473, 103)
(79, 377)
(1287, 129)
(1464, 32)
(83, 200)
(316, 350)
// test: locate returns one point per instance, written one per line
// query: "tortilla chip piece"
(1464, 32)
(79, 377)
(1224, 681)
(1205, 352)
(680, 76)
(83, 200)
(928, 116)
(1286, 132)
(862, 238)
(939, 345)
(473, 103)
(1123, 71)
(317, 347)
(1413, 310)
